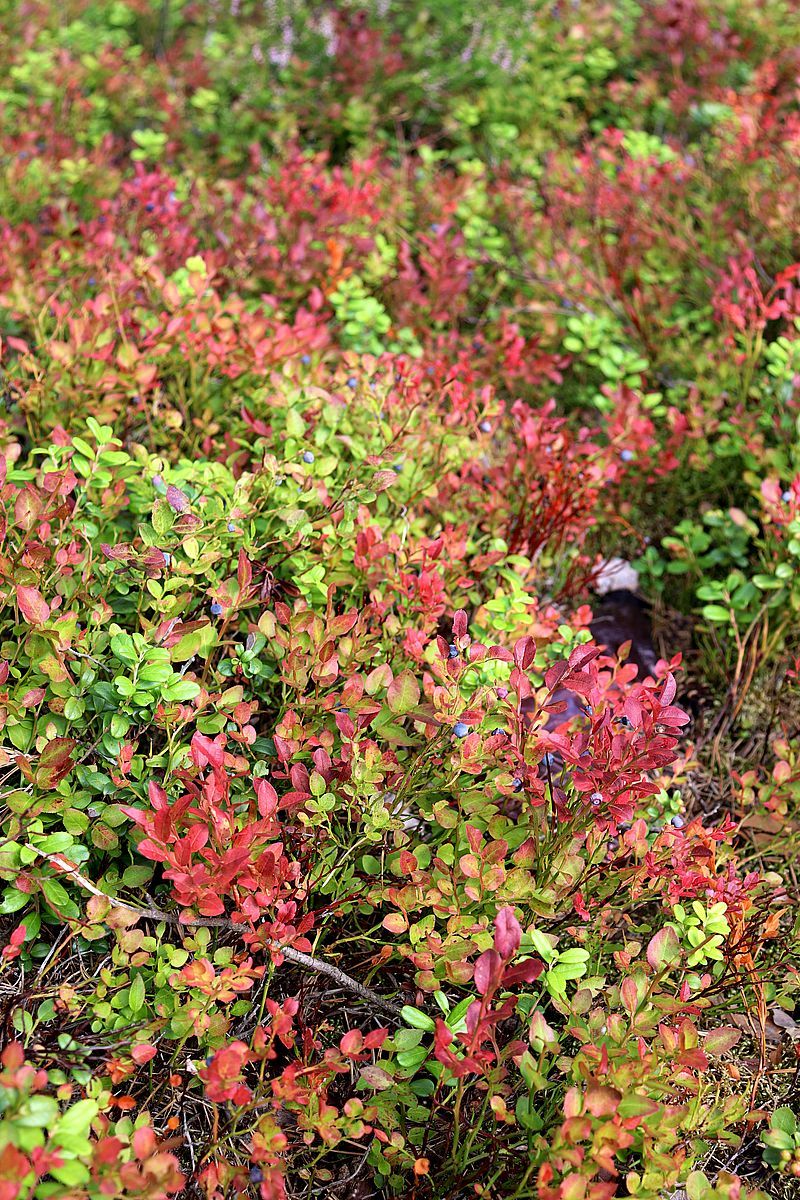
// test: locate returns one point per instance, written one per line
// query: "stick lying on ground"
(309, 961)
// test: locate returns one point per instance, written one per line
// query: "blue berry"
(497, 731)
(308, 456)
(517, 785)
(786, 497)
(305, 359)
(596, 799)
(352, 382)
(216, 609)
(256, 1175)
(460, 729)
(502, 692)
(209, 1060)
(231, 527)
(149, 208)
(167, 558)
(626, 455)
(485, 427)
(398, 468)
(453, 651)
(92, 281)
(678, 822)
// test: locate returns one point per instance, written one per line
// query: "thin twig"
(309, 961)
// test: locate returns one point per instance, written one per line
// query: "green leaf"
(83, 447)
(409, 1060)
(38, 1113)
(636, 1106)
(417, 1019)
(136, 876)
(13, 900)
(715, 612)
(403, 693)
(123, 647)
(73, 1174)
(136, 994)
(784, 1119)
(181, 689)
(455, 1019)
(778, 1139)
(407, 1039)
(526, 1115)
(163, 517)
(56, 895)
(697, 1186)
(77, 1119)
(198, 642)
(54, 843)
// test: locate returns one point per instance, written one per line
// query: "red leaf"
(488, 970)
(524, 652)
(344, 623)
(524, 972)
(176, 499)
(142, 1053)
(244, 572)
(375, 1077)
(474, 837)
(670, 687)
(555, 674)
(395, 922)
(204, 751)
(157, 795)
(55, 762)
(144, 1142)
(672, 716)
(663, 949)
(344, 724)
(267, 798)
(602, 1101)
(149, 849)
(719, 1041)
(32, 605)
(508, 933)
(352, 1042)
(382, 480)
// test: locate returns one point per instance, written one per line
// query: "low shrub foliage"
(340, 348)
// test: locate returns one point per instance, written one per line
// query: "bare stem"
(309, 961)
